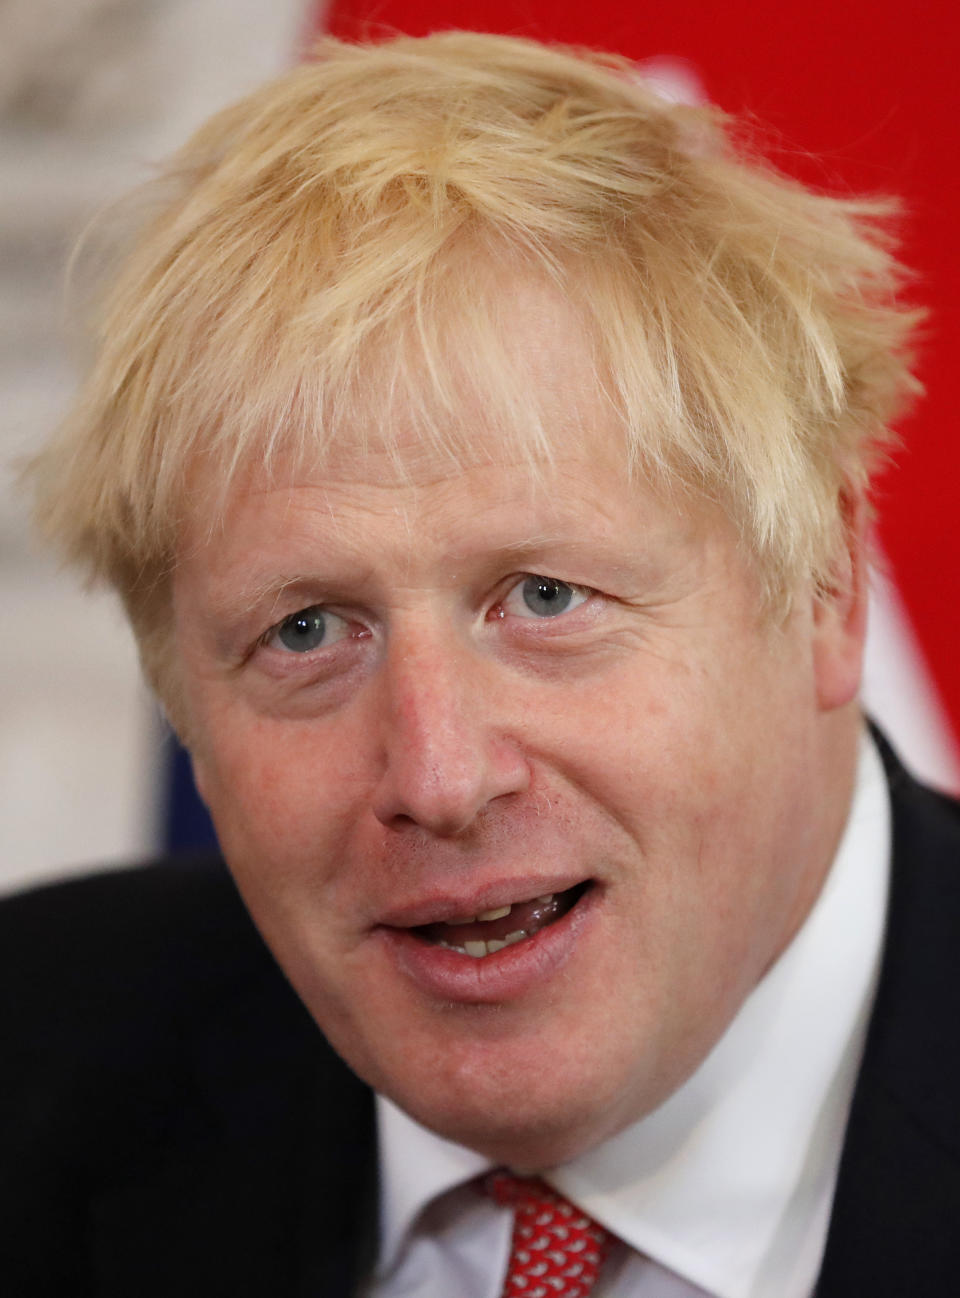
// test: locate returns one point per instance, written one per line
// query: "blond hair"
(313, 254)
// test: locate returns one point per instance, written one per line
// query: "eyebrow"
(350, 571)
(249, 597)
(319, 586)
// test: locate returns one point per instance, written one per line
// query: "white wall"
(91, 93)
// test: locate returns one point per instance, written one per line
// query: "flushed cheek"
(285, 844)
(651, 727)
(275, 774)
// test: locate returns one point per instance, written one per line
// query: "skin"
(444, 747)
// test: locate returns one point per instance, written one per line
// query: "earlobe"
(840, 609)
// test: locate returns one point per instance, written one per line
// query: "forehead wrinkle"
(403, 514)
(415, 527)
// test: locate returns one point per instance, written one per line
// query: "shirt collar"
(416, 1166)
(706, 1183)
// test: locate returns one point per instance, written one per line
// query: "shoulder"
(117, 988)
(918, 998)
(167, 931)
(162, 1087)
(923, 926)
(122, 978)
(898, 1191)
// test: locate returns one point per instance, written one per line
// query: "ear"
(840, 609)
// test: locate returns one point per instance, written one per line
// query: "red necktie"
(556, 1250)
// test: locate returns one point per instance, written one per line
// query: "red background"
(864, 97)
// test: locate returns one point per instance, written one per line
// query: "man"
(480, 447)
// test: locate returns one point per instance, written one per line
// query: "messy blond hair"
(311, 262)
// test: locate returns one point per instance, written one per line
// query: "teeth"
(498, 912)
(477, 950)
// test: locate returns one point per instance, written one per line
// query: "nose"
(443, 758)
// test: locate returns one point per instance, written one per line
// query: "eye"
(307, 629)
(543, 597)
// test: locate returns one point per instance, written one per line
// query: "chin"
(526, 1136)
(524, 1112)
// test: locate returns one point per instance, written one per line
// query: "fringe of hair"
(331, 258)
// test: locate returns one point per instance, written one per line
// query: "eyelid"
(333, 622)
(581, 594)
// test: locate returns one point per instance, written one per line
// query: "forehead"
(394, 508)
(521, 389)
(512, 373)
(394, 531)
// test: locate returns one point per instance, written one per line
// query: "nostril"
(445, 791)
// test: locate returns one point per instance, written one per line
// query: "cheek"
(274, 791)
(681, 756)
(651, 743)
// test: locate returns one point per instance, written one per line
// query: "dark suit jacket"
(173, 1123)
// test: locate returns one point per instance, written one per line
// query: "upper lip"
(442, 905)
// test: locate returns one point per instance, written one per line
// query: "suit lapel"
(893, 1228)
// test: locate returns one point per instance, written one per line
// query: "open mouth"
(492, 930)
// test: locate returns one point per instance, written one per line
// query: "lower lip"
(505, 975)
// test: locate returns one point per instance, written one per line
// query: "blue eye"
(308, 629)
(544, 597)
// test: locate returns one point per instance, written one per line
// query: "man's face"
(420, 700)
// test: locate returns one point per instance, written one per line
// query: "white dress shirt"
(725, 1190)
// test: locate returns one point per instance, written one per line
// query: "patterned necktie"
(556, 1250)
